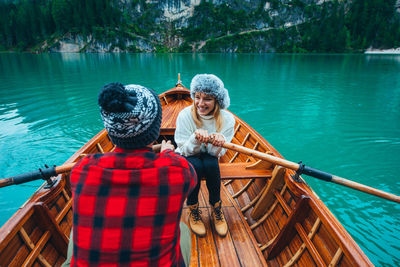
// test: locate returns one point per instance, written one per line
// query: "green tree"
(61, 11)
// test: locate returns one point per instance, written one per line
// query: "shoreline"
(392, 51)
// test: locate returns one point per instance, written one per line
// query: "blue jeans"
(206, 166)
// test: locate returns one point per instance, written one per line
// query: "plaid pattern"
(127, 207)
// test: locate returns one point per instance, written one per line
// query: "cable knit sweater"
(188, 145)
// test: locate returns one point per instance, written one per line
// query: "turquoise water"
(337, 113)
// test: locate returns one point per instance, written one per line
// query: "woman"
(205, 121)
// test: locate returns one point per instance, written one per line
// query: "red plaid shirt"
(127, 207)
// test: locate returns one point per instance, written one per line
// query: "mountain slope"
(199, 26)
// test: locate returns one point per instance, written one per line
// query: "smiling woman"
(205, 121)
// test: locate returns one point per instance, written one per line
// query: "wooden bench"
(243, 170)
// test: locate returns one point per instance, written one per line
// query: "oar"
(46, 173)
(302, 169)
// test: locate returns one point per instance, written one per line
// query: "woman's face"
(204, 104)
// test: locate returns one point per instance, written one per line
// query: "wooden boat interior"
(272, 219)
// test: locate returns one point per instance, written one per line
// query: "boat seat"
(242, 170)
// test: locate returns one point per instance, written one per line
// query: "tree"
(62, 12)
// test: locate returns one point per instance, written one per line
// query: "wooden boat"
(273, 220)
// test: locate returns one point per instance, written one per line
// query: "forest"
(333, 27)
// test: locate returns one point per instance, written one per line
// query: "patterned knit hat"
(131, 114)
(210, 85)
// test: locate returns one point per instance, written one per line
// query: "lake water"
(337, 113)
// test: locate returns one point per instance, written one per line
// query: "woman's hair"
(216, 113)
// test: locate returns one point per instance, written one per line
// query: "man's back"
(127, 207)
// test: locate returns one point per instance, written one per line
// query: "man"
(128, 203)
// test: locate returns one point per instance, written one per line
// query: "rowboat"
(274, 217)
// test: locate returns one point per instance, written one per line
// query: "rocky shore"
(393, 51)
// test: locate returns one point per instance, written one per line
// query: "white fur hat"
(210, 85)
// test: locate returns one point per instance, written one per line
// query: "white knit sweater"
(185, 138)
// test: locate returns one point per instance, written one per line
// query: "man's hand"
(166, 145)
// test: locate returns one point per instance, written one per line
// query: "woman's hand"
(166, 145)
(217, 139)
(202, 135)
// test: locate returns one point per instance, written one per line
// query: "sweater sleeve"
(227, 131)
(185, 139)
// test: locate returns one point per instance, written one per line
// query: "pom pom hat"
(131, 114)
(211, 85)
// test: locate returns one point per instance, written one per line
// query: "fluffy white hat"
(210, 85)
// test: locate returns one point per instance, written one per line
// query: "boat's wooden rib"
(272, 220)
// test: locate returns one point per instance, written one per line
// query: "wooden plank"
(280, 218)
(194, 256)
(31, 245)
(300, 251)
(265, 216)
(287, 232)
(311, 248)
(260, 164)
(244, 189)
(242, 235)
(324, 244)
(265, 201)
(307, 260)
(226, 250)
(12, 250)
(52, 255)
(48, 222)
(259, 234)
(245, 249)
(37, 249)
(64, 211)
(223, 250)
(336, 258)
(239, 170)
(242, 143)
(206, 245)
(252, 202)
(59, 261)
(19, 257)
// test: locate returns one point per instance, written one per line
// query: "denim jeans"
(206, 166)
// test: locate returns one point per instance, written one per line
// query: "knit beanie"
(210, 85)
(131, 114)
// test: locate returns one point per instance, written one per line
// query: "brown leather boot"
(219, 220)
(195, 222)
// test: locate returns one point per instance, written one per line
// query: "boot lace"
(218, 214)
(195, 213)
